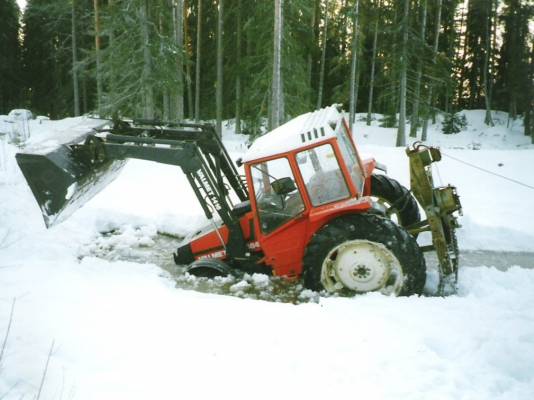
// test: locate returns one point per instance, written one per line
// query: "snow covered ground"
(122, 330)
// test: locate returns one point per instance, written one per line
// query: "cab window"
(322, 175)
(277, 197)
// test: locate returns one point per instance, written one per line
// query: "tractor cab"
(299, 175)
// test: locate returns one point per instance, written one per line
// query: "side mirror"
(283, 186)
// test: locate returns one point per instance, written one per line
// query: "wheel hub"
(362, 266)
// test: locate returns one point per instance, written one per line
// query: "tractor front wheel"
(362, 253)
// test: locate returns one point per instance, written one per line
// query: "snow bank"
(122, 332)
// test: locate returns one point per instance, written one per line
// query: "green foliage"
(258, 57)
(123, 67)
(10, 79)
(453, 123)
(389, 121)
(455, 76)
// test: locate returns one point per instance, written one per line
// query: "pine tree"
(10, 79)
(373, 64)
(513, 68)
(276, 91)
(437, 27)
(238, 98)
(401, 132)
(198, 60)
(178, 25)
(414, 122)
(354, 65)
(99, 88)
(75, 89)
(219, 95)
(47, 57)
(323, 56)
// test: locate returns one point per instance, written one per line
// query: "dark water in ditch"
(158, 249)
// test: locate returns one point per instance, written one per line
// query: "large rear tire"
(390, 193)
(361, 253)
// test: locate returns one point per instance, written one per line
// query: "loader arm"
(64, 178)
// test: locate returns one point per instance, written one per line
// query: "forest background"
(265, 61)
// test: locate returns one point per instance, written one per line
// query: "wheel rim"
(362, 266)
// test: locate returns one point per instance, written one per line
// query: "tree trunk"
(323, 58)
(75, 88)
(148, 91)
(219, 92)
(401, 132)
(188, 80)
(529, 118)
(488, 120)
(434, 59)
(84, 90)
(178, 19)
(415, 110)
(197, 63)
(238, 75)
(276, 91)
(354, 66)
(98, 59)
(373, 64)
(463, 31)
(314, 53)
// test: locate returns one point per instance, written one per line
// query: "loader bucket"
(64, 179)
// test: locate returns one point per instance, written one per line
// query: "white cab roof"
(301, 131)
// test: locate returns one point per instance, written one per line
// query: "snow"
(123, 330)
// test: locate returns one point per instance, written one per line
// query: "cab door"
(280, 215)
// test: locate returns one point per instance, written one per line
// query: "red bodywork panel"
(284, 248)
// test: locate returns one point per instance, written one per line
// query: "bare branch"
(4, 344)
(45, 370)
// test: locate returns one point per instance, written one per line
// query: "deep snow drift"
(122, 330)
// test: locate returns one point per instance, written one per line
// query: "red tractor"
(308, 207)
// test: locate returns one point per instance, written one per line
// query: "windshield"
(321, 173)
(277, 198)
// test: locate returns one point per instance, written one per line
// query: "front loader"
(308, 206)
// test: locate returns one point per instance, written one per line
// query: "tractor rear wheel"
(360, 253)
(397, 201)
